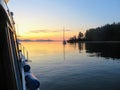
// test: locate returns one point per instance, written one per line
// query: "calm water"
(83, 66)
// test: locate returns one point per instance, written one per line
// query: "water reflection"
(64, 52)
(74, 45)
(81, 47)
(106, 50)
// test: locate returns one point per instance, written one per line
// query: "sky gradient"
(45, 19)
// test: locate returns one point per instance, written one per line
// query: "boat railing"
(30, 82)
(23, 50)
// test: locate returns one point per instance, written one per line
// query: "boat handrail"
(27, 77)
(24, 51)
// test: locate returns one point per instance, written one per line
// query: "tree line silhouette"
(108, 32)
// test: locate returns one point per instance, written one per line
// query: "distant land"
(38, 40)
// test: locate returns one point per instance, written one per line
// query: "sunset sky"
(45, 19)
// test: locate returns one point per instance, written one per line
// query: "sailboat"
(64, 41)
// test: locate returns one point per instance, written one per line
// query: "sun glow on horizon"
(45, 34)
(40, 32)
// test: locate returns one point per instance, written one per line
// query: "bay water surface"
(78, 66)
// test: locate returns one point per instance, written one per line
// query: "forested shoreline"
(108, 32)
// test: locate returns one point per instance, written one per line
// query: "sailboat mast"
(63, 33)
